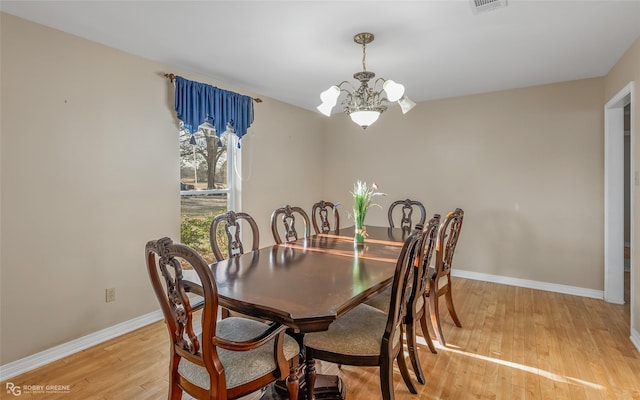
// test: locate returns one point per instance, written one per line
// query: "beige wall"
(89, 164)
(627, 69)
(525, 165)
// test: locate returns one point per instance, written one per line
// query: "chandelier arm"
(345, 90)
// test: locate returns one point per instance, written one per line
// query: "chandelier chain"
(364, 56)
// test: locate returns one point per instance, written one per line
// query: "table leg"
(327, 387)
(310, 376)
(313, 386)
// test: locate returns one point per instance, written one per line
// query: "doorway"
(618, 197)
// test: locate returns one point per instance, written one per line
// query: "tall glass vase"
(360, 230)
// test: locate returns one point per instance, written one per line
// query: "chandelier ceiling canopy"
(365, 103)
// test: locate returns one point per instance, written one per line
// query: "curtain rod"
(172, 77)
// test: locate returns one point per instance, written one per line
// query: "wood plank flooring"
(515, 343)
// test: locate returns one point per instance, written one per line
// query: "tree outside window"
(204, 185)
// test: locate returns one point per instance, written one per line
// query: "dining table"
(307, 284)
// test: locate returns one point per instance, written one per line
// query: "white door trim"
(614, 196)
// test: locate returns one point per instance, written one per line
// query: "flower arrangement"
(363, 195)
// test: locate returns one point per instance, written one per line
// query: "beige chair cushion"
(357, 333)
(239, 366)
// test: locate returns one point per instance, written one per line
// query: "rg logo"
(13, 389)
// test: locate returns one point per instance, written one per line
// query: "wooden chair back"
(320, 213)
(417, 310)
(225, 228)
(286, 216)
(406, 216)
(400, 288)
(448, 235)
(165, 261)
(423, 262)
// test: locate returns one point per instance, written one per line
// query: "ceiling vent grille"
(481, 6)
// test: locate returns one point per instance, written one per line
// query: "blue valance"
(197, 103)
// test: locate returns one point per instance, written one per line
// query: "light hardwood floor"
(515, 343)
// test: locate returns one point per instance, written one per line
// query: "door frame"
(614, 196)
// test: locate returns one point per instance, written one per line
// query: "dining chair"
(230, 358)
(448, 234)
(320, 217)
(418, 305)
(366, 336)
(225, 239)
(287, 217)
(225, 230)
(406, 220)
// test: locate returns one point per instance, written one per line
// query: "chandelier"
(365, 104)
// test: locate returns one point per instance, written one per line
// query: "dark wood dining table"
(309, 283)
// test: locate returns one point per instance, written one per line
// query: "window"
(206, 182)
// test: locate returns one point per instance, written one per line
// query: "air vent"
(481, 6)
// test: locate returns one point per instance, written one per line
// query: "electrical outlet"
(110, 295)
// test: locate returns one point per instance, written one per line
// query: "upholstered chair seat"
(357, 333)
(239, 367)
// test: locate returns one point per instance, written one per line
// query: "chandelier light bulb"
(394, 90)
(330, 95)
(406, 104)
(329, 99)
(325, 108)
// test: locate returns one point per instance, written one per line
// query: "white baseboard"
(550, 287)
(635, 338)
(55, 353)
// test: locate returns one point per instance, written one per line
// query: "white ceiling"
(292, 50)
